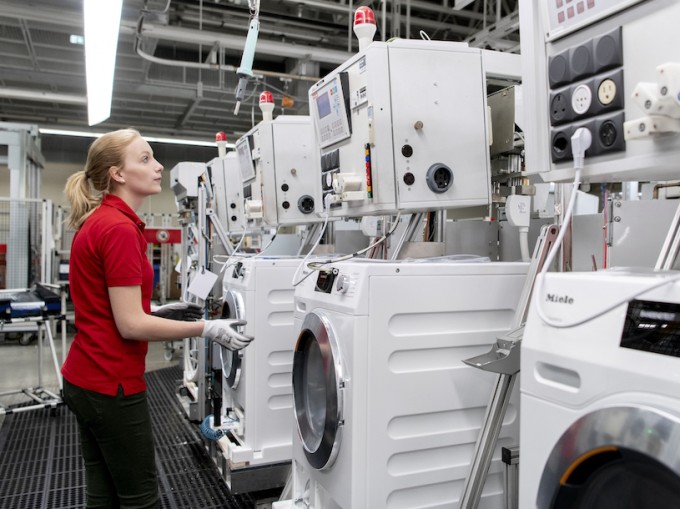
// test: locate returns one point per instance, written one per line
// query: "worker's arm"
(133, 323)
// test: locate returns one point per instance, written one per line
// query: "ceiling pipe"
(35, 95)
(189, 36)
(217, 66)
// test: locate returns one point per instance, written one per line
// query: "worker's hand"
(183, 311)
(224, 332)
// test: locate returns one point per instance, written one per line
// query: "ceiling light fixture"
(102, 25)
(461, 4)
(150, 139)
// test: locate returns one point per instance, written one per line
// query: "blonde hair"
(86, 188)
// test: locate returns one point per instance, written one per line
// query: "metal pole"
(201, 342)
(671, 246)
(510, 456)
(408, 234)
(504, 359)
(350, 24)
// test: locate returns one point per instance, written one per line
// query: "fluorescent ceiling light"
(102, 24)
(461, 4)
(150, 139)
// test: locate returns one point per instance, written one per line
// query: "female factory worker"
(111, 284)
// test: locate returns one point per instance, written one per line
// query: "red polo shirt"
(108, 250)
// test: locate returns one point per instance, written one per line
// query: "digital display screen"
(245, 158)
(652, 327)
(332, 119)
(323, 103)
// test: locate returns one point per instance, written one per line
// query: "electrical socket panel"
(227, 188)
(402, 126)
(286, 189)
(602, 51)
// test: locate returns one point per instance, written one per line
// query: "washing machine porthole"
(233, 308)
(317, 394)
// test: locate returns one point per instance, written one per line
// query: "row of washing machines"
(357, 377)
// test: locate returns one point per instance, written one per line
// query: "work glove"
(224, 333)
(182, 311)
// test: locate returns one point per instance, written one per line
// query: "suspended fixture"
(102, 24)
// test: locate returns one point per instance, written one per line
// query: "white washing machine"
(256, 381)
(600, 401)
(387, 413)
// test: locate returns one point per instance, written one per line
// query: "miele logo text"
(560, 299)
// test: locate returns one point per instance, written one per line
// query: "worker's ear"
(116, 174)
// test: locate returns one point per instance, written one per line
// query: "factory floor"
(40, 464)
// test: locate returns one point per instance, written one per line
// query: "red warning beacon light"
(221, 141)
(364, 26)
(363, 15)
(266, 104)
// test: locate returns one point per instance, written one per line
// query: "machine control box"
(402, 126)
(226, 179)
(278, 161)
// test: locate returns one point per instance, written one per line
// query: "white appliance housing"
(256, 382)
(402, 126)
(228, 191)
(387, 412)
(285, 189)
(600, 401)
(184, 179)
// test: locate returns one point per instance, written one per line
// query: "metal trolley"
(32, 312)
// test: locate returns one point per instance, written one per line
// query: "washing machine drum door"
(234, 309)
(317, 390)
(614, 458)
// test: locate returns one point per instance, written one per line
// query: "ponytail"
(84, 200)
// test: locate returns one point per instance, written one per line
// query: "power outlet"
(581, 99)
(608, 133)
(610, 94)
(560, 109)
(606, 92)
(561, 144)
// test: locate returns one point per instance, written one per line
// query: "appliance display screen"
(652, 327)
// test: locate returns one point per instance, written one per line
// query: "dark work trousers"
(117, 446)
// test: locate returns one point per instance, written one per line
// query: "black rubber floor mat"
(41, 467)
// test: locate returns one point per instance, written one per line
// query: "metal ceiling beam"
(496, 33)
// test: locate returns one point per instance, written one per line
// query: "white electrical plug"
(668, 77)
(518, 210)
(580, 142)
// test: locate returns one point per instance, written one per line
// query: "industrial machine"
(279, 165)
(611, 66)
(284, 190)
(600, 423)
(278, 172)
(225, 176)
(256, 388)
(386, 412)
(403, 126)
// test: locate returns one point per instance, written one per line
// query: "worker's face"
(141, 173)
